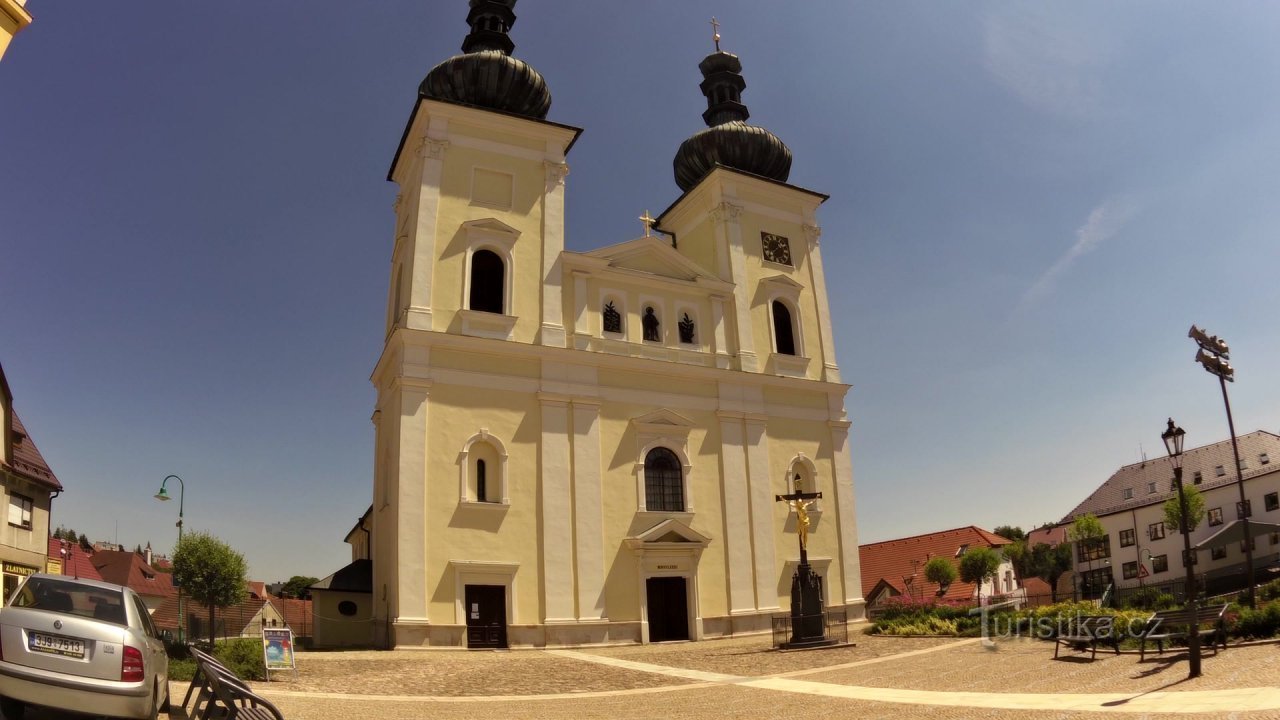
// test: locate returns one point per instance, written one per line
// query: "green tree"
(1011, 532)
(1086, 531)
(940, 570)
(1050, 563)
(977, 565)
(209, 572)
(297, 586)
(84, 542)
(1195, 509)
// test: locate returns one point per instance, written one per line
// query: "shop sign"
(16, 569)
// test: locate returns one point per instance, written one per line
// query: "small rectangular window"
(1128, 493)
(1219, 471)
(1244, 464)
(1197, 477)
(961, 549)
(1218, 553)
(1253, 544)
(1127, 538)
(1160, 563)
(1151, 488)
(1264, 459)
(1155, 531)
(1272, 500)
(1130, 570)
(20, 511)
(1275, 539)
(1215, 517)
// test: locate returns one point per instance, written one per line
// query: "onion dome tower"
(728, 139)
(486, 75)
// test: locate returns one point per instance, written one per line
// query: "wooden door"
(486, 609)
(668, 608)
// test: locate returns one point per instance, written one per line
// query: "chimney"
(147, 554)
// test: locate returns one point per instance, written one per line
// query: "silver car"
(82, 646)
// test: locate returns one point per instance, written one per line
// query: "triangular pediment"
(490, 225)
(667, 533)
(784, 281)
(653, 256)
(663, 417)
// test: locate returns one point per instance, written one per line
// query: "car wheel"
(12, 709)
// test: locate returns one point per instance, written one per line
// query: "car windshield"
(71, 598)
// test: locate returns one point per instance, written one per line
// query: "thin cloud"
(1045, 61)
(1103, 223)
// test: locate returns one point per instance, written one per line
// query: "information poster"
(277, 648)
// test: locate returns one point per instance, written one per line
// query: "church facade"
(585, 447)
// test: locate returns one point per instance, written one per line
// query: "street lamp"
(1173, 437)
(164, 497)
(1213, 355)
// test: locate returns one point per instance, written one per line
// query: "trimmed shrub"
(1270, 591)
(1150, 598)
(182, 669)
(1263, 622)
(243, 656)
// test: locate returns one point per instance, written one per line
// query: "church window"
(686, 329)
(663, 481)
(483, 465)
(488, 282)
(783, 333)
(481, 481)
(612, 319)
(652, 326)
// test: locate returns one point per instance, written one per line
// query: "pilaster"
(762, 506)
(830, 371)
(411, 500)
(557, 510)
(426, 206)
(588, 510)
(737, 513)
(846, 511)
(552, 331)
(726, 218)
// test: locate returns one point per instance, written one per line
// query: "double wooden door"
(486, 608)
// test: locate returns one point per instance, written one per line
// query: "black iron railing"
(834, 623)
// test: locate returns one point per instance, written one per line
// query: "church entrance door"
(668, 608)
(486, 608)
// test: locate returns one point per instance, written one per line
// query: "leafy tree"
(1050, 563)
(940, 570)
(209, 572)
(297, 586)
(1195, 509)
(84, 542)
(1010, 532)
(977, 565)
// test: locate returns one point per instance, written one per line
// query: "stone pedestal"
(808, 623)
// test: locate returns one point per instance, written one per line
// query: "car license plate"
(56, 645)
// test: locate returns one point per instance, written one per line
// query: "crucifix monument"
(808, 628)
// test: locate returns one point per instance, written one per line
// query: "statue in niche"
(612, 318)
(686, 329)
(651, 326)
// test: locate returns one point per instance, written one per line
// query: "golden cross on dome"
(715, 33)
(648, 223)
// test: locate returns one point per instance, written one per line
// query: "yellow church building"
(582, 448)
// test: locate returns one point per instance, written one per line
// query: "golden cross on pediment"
(648, 223)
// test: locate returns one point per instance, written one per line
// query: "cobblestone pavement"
(741, 678)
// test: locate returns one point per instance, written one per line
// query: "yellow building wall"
(336, 629)
(13, 17)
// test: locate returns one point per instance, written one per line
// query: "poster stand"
(277, 651)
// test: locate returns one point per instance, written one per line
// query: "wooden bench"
(219, 693)
(1089, 630)
(1177, 625)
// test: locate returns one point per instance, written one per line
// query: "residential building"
(895, 568)
(68, 558)
(1138, 549)
(29, 489)
(585, 447)
(128, 568)
(13, 17)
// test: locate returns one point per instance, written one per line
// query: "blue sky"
(1030, 204)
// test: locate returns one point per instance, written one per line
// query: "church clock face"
(776, 248)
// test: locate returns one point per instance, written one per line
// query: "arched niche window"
(784, 337)
(488, 282)
(483, 465)
(802, 476)
(611, 316)
(663, 481)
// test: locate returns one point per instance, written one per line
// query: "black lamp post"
(1213, 355)
(164, 496)
(1173, 437)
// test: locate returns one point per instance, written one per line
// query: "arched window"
(783, 332)
(488, 282)
(663, 481)
(482, 494)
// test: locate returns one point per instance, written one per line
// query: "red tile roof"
(297, 614)
(76, 563)
(27, 460)
(125, 567)
(1049, 535)
(900, 563)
